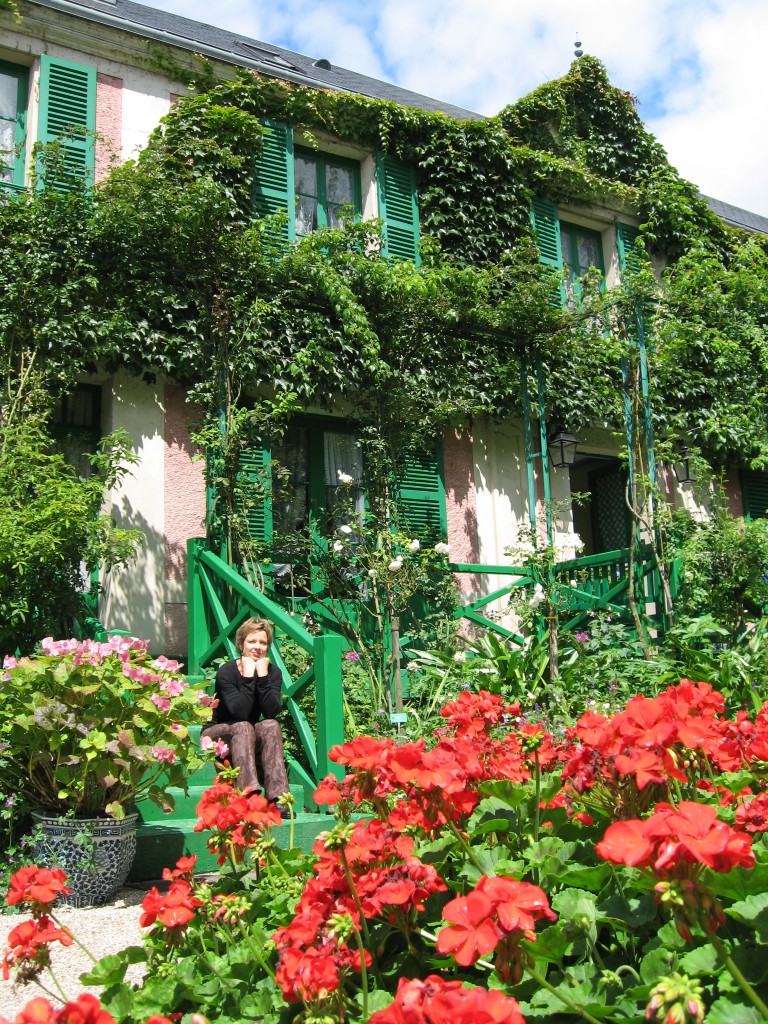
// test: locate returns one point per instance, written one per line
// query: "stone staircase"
(162, 838)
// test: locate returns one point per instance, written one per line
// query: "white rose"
(442, 549)
(414, 546)
(338, 546)
(345, 529)
(345, 478)
(396, 564)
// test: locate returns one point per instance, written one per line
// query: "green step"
(160, 844)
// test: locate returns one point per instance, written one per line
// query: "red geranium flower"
(37, 1011)
(86, 1009)
(436, 1001)
(38, 886)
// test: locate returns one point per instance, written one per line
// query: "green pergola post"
(530, 455)
(330, 705)
(648, 423)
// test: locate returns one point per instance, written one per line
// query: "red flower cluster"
(677, 842)
(86, 1009)
(28, 951)
(435, 1001)
(174, 909)
(369, 872)
(40, 887)
(238, 820)
(752, 812)
(499, 911)
(679, 735)
(410, 785)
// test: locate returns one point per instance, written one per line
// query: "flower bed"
(497, 875)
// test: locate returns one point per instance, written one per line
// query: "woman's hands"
(251, 667)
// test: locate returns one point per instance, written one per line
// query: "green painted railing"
(220, 600)
(582, 586)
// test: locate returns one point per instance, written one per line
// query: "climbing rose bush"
(493, 873)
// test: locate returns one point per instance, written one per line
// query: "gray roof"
(737, 217)
(221, 44)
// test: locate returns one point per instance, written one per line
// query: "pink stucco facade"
(733, 493)
(184, 510)
(109, 119)
(461, 507)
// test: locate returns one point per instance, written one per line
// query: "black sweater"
(243, 699)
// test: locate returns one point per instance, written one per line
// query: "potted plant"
(86, 730)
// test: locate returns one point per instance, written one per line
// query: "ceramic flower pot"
(96, 853)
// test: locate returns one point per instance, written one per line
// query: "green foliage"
(51, 526)
(724, 569)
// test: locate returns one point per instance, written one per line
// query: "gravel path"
(102, 930)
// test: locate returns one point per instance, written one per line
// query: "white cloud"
(697, 66)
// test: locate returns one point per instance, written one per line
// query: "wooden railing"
(582, 587)
(220, 600)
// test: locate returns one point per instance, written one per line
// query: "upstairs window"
(325, 187)
(313, 188)
(14, 83)
(573, 250)
(582, 251)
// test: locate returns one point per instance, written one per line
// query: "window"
(295, 488)
(572, 249)
(306, 464)
(14, 82)
(325, 187)
(76, 426)
(582, 251)
(314, 187)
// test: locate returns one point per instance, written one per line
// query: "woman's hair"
(253, 626)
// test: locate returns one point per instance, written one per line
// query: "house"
(112, 69)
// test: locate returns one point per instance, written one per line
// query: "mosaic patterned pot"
(96, 853)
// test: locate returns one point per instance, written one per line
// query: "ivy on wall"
(186, 283)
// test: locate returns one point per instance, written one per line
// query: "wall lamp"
(562, 449)
(682, 466)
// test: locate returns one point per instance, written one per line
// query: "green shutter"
(273, 188)
(68, 114)
(546, 228)
(754, 493)
(398, 208)
(256, 487)
(630, 252)
(421, 496)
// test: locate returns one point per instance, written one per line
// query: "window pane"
(305, 170)
(306, 215)
(342, 458)
(588, 253)
(7, 141)
(9, 87)
(290, 483)
(334, 215)
(338, 185)
(566, 241)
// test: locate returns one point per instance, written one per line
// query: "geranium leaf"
(723, 1011)
(703, 960)
(753, 911)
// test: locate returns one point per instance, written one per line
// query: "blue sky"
(698, 67)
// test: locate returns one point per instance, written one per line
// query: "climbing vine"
(165, 271)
